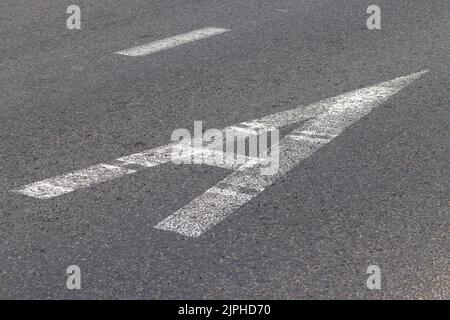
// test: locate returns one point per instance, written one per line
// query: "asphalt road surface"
(377, 193)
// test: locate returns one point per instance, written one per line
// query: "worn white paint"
(325, 120)
(70, 182)
(172, 42)
(339, 112)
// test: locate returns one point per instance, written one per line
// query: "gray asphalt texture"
(378, 194)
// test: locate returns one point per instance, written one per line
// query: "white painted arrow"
(325, 120)
(244, 184)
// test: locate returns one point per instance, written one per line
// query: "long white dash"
(172, 42)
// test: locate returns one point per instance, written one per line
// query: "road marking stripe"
(70, 182)
(203, 212)
(172, 42)
(83, 178)
(222, 159)
(312, 136)
(209, 209)
(245, 131)
(50, 188)
(150, 158)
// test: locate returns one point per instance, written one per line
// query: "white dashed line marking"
(172, 42)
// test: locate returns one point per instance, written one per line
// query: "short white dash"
(172, 42)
